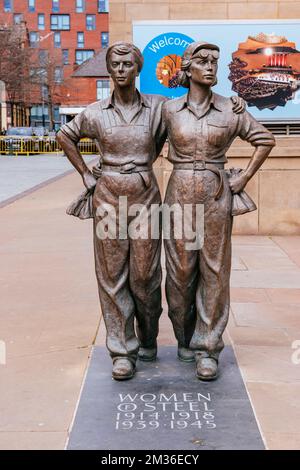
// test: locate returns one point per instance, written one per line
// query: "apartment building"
(71, 32)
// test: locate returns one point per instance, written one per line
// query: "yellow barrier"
(10, 145)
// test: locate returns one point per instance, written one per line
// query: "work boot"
(185, 354)
(147, 354)
(123, 369)
(206, 368)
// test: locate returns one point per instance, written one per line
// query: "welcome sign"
(162, 60)
(259, 61)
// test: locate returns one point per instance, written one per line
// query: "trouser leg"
(145, 284)
(181, 284)
(212, 296)
(181, 264)
(145, 267)
(118, 308)
(112, 272)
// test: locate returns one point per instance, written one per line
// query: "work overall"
(128, 270)
(197, 282)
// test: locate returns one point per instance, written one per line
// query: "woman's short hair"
(123, 48)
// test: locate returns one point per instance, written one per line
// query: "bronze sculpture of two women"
(130, 129)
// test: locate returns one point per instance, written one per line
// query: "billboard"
(259, 61)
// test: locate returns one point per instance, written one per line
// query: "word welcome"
(168, 41)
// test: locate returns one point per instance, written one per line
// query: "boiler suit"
(197, 282)
(128, 270)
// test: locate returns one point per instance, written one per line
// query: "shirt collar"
(109, 102)
(213, 103)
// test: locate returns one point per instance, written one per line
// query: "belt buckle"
(127, 168)
(199, 165)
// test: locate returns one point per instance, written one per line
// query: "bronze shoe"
(123, 369)
(185, 354)
(206, 368)
(147, 354)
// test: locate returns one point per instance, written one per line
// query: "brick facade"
(76, 91)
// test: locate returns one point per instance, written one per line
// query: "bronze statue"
(201, 127)
(130, 133)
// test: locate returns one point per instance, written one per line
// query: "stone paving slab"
(264, 278)
(39, 392)
(32, 440)
(19, 174)
(49, 315)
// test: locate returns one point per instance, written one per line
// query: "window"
(37, 111)
(55, 6)
(80, 40)
(90, 22)
(80, 7)
(43, 56)
(103, 90)
(57, 40)
(41, 21)
(60, 22)
(65, 54)
(58, 74)
(41, 73)
(31, 5)
(40, 115)
(104, 40)
(82, 56)
(18, 17)
(8, 6)
(33, 38)
(102, 6)
(45, 92)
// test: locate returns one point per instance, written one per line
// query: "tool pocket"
(217, 133)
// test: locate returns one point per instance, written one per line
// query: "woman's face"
(204, 66)
(123, 69)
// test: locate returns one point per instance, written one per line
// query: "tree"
(14, 64)
(46, 76)
(32, 75)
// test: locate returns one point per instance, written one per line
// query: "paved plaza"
(19, 174)
(50, 317)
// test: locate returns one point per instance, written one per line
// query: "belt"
(201, 165)
(198, 165)
(126, 168)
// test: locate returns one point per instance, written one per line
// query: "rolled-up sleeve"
(253, 131)
(77, 128)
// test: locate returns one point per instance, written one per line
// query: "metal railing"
(10, 145)
(284, 129)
